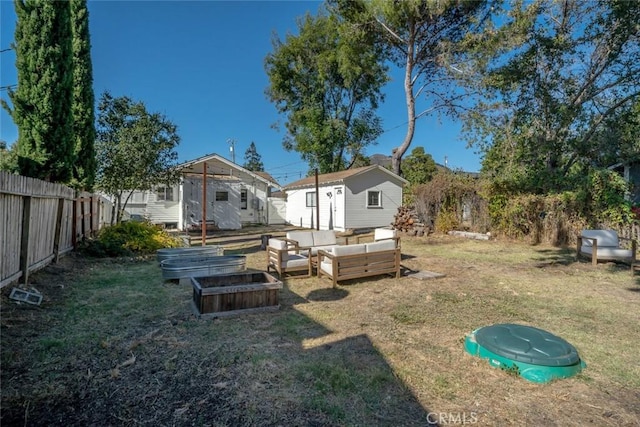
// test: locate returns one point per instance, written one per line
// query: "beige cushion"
(315, 249)
(324, 238)
(277, 244)
(604, 237)
(608, 252)
(348, 249)
(326, 266)
(295, 261)
(382, 245)
(304, 238)
(383, 233)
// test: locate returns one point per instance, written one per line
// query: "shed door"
(338, 208)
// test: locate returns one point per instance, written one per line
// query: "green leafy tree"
(326, 81)
(8, 158)
(253, 160)
(424, 38)
(84, 132)
(556, 92)
(361, 160)
(419, 167)
(618, 141)
(135, 149)
(41, 104)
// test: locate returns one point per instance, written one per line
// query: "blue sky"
(201, 63)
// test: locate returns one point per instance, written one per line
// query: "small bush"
(447, 221)
(130, 238)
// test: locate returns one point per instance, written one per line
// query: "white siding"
(277, 211)
(225, 214)
(300, 215)
(162, 211)
(256, 211)
(297, 212)
(358, 215)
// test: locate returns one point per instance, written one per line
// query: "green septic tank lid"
(527, 344)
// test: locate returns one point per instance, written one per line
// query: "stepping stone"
(424, 275)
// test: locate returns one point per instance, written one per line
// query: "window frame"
(219, 193)
(244, 198)
(312, 203)
(162, 192)
(369, 194)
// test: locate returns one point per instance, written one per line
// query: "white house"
(356, 198)
(234, 196)
(630, 171)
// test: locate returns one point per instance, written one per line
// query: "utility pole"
(232, 146)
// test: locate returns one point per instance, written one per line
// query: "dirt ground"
(368, 353)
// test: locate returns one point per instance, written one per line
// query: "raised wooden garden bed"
(235, 294)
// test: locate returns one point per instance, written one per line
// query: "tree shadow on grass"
(243, 250)
(562, 256)
(327, 294)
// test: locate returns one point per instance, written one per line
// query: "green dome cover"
(527, 344)
(532, 353)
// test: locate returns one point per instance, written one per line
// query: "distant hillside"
(380, 159)
(385, 161)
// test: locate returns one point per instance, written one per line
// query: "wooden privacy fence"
(40, 221)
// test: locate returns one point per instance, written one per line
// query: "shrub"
(447, 221)
(130, 238)
(452, 201)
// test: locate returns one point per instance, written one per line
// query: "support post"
(317, 202)
(58, 232)
(24, 241)
(74, 223)
(83, 215)
(203, 223)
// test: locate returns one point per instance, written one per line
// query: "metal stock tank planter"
(233, 294)
(172, 253)
(202, 266)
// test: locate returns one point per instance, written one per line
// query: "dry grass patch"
(113, 344)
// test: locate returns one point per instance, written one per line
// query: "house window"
(373, 199)
(311, 199)
(222, 196)
(164, 194)
(243, 199)
(137, 197)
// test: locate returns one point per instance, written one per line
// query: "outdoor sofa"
(605, 245)
(359, 260)
(299, 252)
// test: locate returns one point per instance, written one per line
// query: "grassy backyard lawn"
(112, 344)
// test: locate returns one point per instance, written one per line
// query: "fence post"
(58, 232)
(92, 215)
(24, 242)
(83, 214)
(74, 222)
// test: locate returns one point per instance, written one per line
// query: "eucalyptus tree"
(135, 149)
(327, 82)
(41, 104)
(558, 91)
(424, 38)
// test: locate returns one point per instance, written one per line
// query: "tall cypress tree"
(84, 131)
(42, 102)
